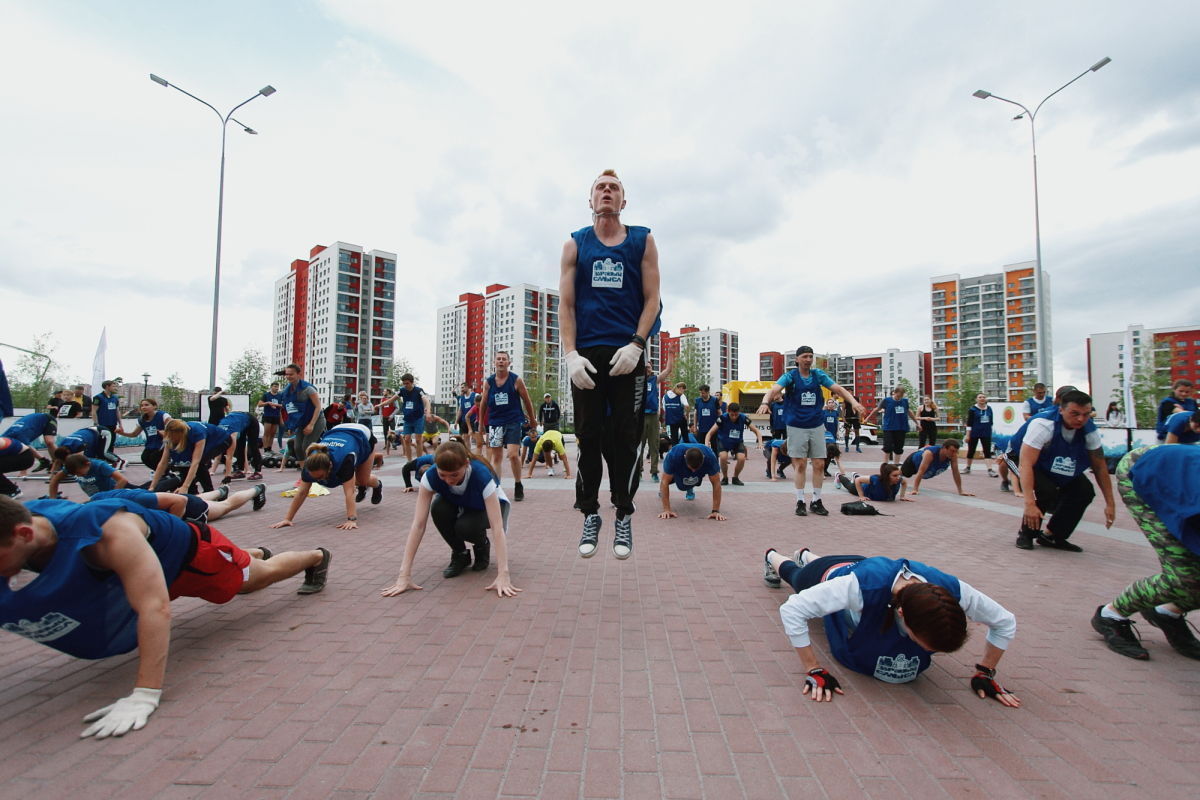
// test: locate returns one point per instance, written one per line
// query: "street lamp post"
(266, 91)
(145, 385)
(1045, 365)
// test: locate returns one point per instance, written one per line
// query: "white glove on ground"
(625, 359)
(128, 713)
(578, 368)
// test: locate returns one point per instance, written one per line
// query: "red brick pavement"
(667, 675)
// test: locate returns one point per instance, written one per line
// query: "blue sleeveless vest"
(504, 402)
(707, 412)
(652, 394)
(299, 411)
(895, 414)
(673, 409)
(472, 498)
(152, 428)
(342, 441)
(887, 655)
(802, 401)
(608, 288)
(936, 467)
(1063, 461)
(74, 608)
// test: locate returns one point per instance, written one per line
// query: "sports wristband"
(352, 519)
(640, 341)
(989, 671)
(715, 511)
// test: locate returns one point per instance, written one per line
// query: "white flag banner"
(98, 362)
(1130, 409)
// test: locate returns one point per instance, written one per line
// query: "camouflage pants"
(1179, 581)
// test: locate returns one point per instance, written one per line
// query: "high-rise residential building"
(771, 364)
(1178, 347)
(987, 323)
(717, 346)
(335, 316)
(522, 320)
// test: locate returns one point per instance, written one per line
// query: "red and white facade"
(1106, 356)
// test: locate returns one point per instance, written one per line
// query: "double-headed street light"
(266, 91)
(1044, 362)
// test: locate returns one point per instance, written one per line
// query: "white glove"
(625, 359)
(578, 368)
(128, 713)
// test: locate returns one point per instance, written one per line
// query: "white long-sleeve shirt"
(843, 594)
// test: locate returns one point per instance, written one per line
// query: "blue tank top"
(707, 412)
(608, 288)
(831, 421)
(875, 490)
(86, 441)
(152, 428)
(778, 416)
(108, 410)
(730, 432)
(465, 401)
(298, 405)
(504, 403)
(345, 442)
(802, 398)
(651, 394)
(478, 480)
(1038, 406)
(887, 655)
(411, 407)
(936, 467)
(1063, 461)
(237, 422)
(74, 608)
(28, 427)
(895, 414)
(673, 408)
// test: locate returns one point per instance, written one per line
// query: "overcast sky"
(805, 167)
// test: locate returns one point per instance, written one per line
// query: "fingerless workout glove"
(821, 678)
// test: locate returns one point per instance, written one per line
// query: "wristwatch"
(352, 519)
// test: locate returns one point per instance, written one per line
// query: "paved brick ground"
(667, 675)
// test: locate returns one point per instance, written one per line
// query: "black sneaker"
(260, 497)
(360, 494)
(623, 538)
(266, 553)
(738, 482)
(1177, 630)
(770, 576)
(818, 508)
(43, 465)
(1005, 486)
(518, 492)
(377, 493)
(847, 484)
(314, 577)
(780, 474)
(1024, 540)
(1059, 544)
(1119, 636)
(483, 555)
(222, 492)
(591, 535)
(724, 481)
(800, 510)
(16, 493)
(458, 563)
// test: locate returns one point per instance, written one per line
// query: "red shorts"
(216, 572)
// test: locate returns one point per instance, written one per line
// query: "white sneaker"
(549, 473)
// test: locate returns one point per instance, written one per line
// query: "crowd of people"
(129, 550)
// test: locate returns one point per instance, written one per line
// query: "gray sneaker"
(623, 538)
(591, 535)
(770, 576)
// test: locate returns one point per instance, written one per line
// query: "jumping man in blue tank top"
(123, 565)
(609, 295)
(503, 407)
(806, 422)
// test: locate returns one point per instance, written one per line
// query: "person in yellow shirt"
(549, 442)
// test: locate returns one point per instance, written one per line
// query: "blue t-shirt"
(1165, 477)
(675, 465)
(979, 420)
(802, 397)
(214, 437)
(237, 422)
(87, 441)
(776, 445)
(152, 428)
(936, 466)
(732, 432)
(271, 413)
(895, 414)
(1180, 424)
(108, 410)
(608, 288)
(503, 401)
(875, 490)
(1166, 407)
(98, 479)
(707, 412)
(411, 406)
(28, 427)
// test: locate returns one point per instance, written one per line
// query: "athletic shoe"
(992, 473)
(967, 471)
(847, 484)
(1059, 544)
(518, 491)
(120, 465)
(43, 464)
(1177, 631)
(738, 482)
(623, 538)
(770, 576)
(314, 577)
(254, 476)
(780, 474)
(654, 477)
(360, 494)
(724, 481)
(260, 497)
(800, 558)
(690, 494)
(1119, 635)
(238, 475)
(222, 492)
(266, 553)
(483, 555)
(377, 493)
(458, 563)
(1006, 486)
(1024, 540)
(818, 508)
(800, 510)
(549, 473)
(591, 535)
(17, 493)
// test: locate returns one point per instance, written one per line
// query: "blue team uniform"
(237, 422)
(675, 465)
(108, 410)
(98, 479)
(875, 490)
(298, 405)
(673, 409)
(802, 399)
(215, 439)
(271, 413)
(152, 429)
(608, 288)
(1180, 424)
(778, 416)
(349, 448)
(895, 414)
(731, 432)
(979, 420)
(31, 427)
(831, 416)
(87, 441)
(503, 402)
(651, 406)
(936, 467)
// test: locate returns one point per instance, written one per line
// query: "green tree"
(36, 376)
(398, 367)
(691, 367)
(959, 397)
(541, 373)
(172, 395)
(248, 374)
(909, 390)
(1151, 383)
